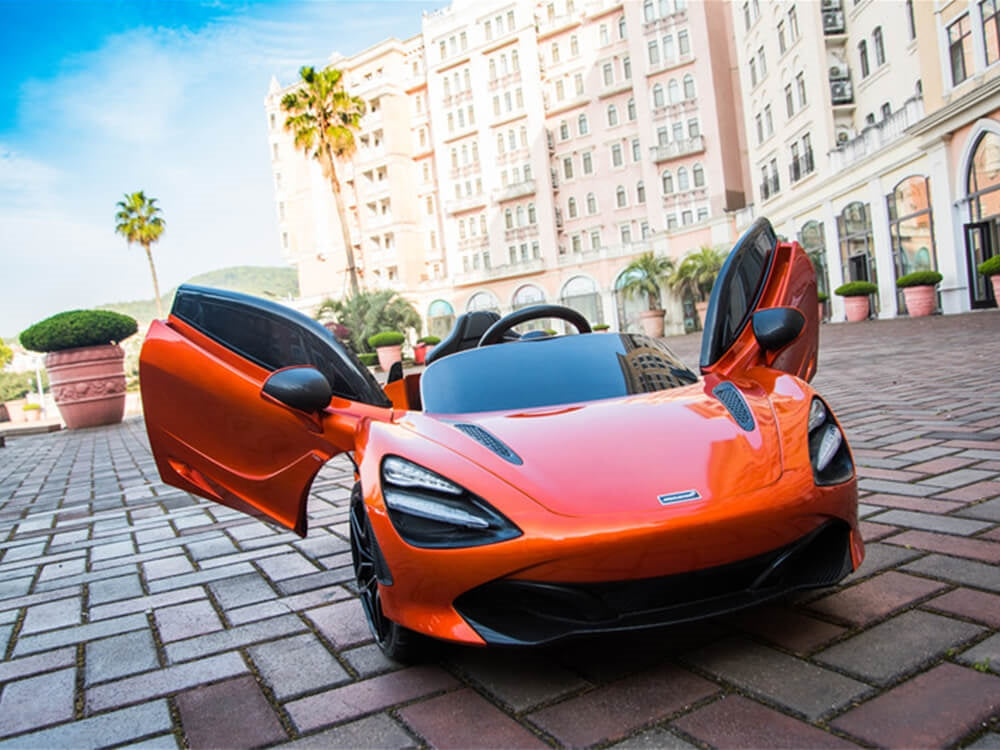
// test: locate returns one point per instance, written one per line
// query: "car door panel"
(761, 273)
(213, 430)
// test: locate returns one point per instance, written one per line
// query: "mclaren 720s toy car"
(527, 488)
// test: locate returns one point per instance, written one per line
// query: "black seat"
(465, 334)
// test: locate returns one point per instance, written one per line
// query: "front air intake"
(733, 400)
(489, 440)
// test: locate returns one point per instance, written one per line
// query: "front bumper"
(521, 612)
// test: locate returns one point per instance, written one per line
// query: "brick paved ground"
(131, 613)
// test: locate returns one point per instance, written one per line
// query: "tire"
(396, 642)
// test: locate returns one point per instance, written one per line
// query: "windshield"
(549, 372)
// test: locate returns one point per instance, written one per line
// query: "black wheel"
(398, 643)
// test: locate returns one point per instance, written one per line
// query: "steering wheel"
(494, 334)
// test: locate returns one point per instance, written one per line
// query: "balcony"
(510, 270)
(876, 137)
(518, 190)
(520, 233)
(677, 149)
(474, 243)
(553, 24)
(770, 188)
(801, 166)
(655, 244)
(467, 203)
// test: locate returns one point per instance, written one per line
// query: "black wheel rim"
(363, 556)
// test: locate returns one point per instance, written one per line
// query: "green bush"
(990, 267)
(31, 407)
(15, 385)
(919, 278)
(822, 296)
(386, 338)
(369, 359)
(600, 327)
(75, 328)
(429, 340)
(856, 289)
(367, 313)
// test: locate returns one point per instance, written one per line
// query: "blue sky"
(102, 98)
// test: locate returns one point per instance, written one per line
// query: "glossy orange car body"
(584, 498)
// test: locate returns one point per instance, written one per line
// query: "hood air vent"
(733, 400)
(489, 440)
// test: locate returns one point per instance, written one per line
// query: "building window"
(647, 11)
(746, 16)
(627, 68)
(605, 37)
(581, 124)
(595, 239)
(653, 49)
(571, 208)
(990, 11)
(753, 72)
(591, 204)
(857, 248)
(636, 153)
(702, 214)
(667, 181)
(687, 218)
(694, 128)
(689, 86)
(789, 101)
(510, 20)
(531, 213)
(793, 23)
(488, 28)
(612, 115)
(671, 222)
(658, 100)
(682, 179)
(800, 85)
(520, 215)
(863, 57)
(588, 163)
(564, 131)
(621, 28)
(678, 131)
(626, 234)
(568, 168)
(616, 155)
(886, 111)
(577, 243)
(673, 91)
(683, 43)
(668, 48)
(960, 49)
(508, 219)
(609, 74)
(631, 110)
(760, 127)
(781, 37)
(879, 45)
(768, 122)
(698, 175)
(578, 83)
(763, 61)
(555, 52)
(574, 46)
(911, 227)
(640, 192)
(621, 199)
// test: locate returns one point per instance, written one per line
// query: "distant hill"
(260, 281)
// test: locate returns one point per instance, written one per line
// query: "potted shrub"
(645, 275)
(424, 345)
(600, 327)
(822, 297)
(991, 268)
(85, 363)
(32, 412)
(856, 302)
(919, 292)
(696, 274)
(368, 359)
(389, 347)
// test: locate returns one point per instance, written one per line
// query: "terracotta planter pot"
(856, 308)
(419, 353)
(88, 384)
(15, 413)
(32, 415)
(652, 323)
(920, 300)
(821, 311)
(388, 355)
(995, 280)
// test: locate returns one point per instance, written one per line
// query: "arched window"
(682, 178)
(520, 216)
(612, 115)
(621, 199)
(647, 11)
(621, 27)
(529, 294)
(483, 301)
(531, 212)
(689, 86)
(571, 208)
(440, 318)
(580, 293)
(515, 61)
(640, 192)
(910, 228)
(658, 100)
(591, 204)
(493, 70)
(508, 219)
(574, 46)
(631, 110)
(674, 91)
(499, 143)
(581, 124)
(563, 130)
(698, 174)
(668, 182)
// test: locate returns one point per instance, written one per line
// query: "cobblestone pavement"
(133, 613)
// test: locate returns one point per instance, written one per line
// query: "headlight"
(430, 511)
(828, 453)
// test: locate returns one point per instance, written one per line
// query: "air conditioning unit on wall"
(830, 4)
(839, 72)
(841, 92)
(843, 136)
(833, 22)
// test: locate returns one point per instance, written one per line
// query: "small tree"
(368, 313)
(645, 275)
(6, 355)
(138, 220)
(696, 273)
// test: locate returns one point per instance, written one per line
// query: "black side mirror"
(303, 388)
(777, 327)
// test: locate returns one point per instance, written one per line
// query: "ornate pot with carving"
(88, 384)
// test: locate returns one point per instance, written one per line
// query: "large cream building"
(516, 152)
(874, 137)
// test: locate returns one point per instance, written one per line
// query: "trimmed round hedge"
(919, 278)
(76, 328)
(386, 338)
(990, 266)
(856, 289)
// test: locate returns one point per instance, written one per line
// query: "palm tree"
(645, 275)
(323, 117)
(696, 273)
(138, 220)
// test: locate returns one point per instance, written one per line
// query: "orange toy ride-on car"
(528, 487)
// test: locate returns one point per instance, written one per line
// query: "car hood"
(626, 454)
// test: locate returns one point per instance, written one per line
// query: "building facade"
(872, 128)
(516, 152)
